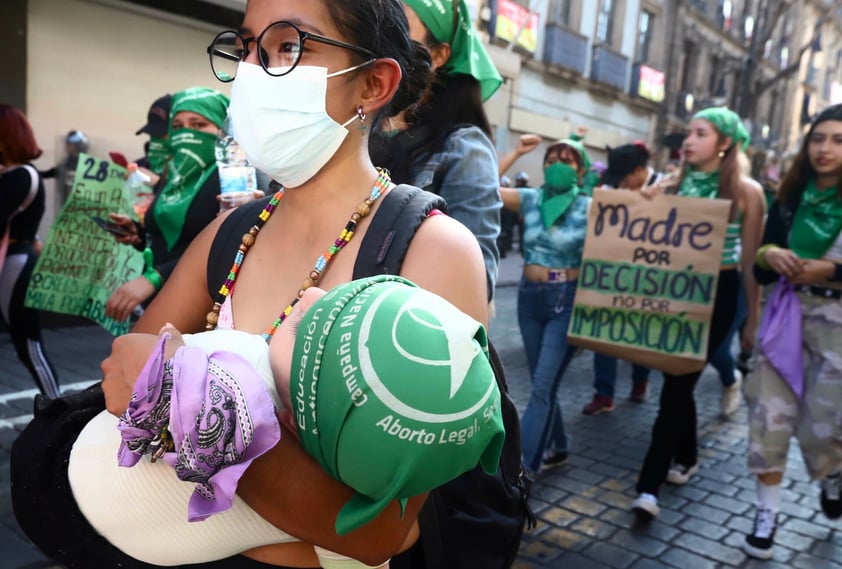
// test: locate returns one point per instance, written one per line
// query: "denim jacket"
(465, 174)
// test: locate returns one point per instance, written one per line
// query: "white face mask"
(282, 124)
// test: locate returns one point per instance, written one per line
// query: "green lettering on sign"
(615, 278)
(672, 334)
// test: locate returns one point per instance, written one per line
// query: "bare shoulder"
(445, 258)
(751, 193)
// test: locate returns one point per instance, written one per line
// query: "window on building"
(605, 22)
(559, 12)
(644, 36)
(725, 14)
(715, 75)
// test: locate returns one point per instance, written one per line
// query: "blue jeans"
(544, 311)
(723, 358)
(605, 374)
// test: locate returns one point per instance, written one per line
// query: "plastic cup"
(230, 200)
(236, 185)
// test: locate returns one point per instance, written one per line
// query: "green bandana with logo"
(158, 154)
(192, 163)
(698, 184)
(558, 192)
(817, 222)
(393, 393)
(467, 54)
(726, 122)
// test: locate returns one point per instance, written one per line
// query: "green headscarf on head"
(575, 143)
(726, 122)
(467, 54)
(192, 162)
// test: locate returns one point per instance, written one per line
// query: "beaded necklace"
(382, 183)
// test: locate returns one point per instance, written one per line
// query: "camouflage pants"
(776, 414)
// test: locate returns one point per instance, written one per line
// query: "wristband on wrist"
(154, 277)
(837, 273)
(760, 258)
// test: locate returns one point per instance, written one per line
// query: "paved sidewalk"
(582, 506)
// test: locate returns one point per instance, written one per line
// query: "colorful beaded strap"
(380, 186)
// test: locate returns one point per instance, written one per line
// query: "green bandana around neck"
(159, 154)
(558, 192)
(192, 163)
(393, 393)
(697, 184)
(726, 122)
(817, 222)
(467, 54)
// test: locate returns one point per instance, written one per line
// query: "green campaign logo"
(446, 357)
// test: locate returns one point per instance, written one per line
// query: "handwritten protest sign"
(81, 265)
(648, 278)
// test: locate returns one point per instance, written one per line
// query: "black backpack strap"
(392, 228)
(227, 240)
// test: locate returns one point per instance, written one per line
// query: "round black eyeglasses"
(279, 49)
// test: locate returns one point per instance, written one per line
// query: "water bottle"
(139, 189)
(237, 180)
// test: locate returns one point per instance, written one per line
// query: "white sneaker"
(646, 507)
(732, 394)
(680, 475)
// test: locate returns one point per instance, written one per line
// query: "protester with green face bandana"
(186, 201)
(711, 169)
(554, 220)
(444, 143)
(157, 126)
(795, 389)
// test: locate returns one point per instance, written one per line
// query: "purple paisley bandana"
(221, 418)
(781, 335)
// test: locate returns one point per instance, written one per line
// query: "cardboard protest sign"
(81, 265)
(648, 278)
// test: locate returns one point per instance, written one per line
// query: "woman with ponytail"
(796, 386)
(443, 143)
(712, 149)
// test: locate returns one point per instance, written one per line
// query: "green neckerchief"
(555, 206)
(558, 192)
(698, 184)
(467, 54)
(817, 222)
(193, 162)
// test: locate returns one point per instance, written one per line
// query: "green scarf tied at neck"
(193, 160)
(726, 122)
(817, 222)
(467, 54)
(698, 184)
(558, 192)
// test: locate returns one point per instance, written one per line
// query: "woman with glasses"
(311, 78)
(443, 145)
(183, 206)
